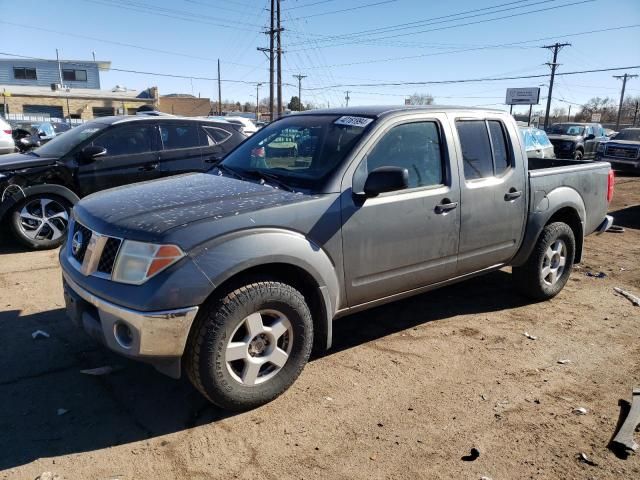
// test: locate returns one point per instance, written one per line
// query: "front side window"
(485, 149)
(176, 136)
(299, 148)
(127, 140)
(414, 146)
(23, 73)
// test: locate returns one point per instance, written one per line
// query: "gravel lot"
(407, 391)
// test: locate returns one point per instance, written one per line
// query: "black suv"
(577, 141)
(38, 189)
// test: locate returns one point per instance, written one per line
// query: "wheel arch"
(278, 255)
(19, 194)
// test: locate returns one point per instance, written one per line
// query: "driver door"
(402, 240)
(132, 156)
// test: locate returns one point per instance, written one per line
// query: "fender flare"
(230, 255)
(544, 206)
(20, 193)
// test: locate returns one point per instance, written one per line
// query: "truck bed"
(569, 179)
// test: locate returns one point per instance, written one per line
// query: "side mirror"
(91, 153)
(386, 179)
(591, 136)
(42, 134)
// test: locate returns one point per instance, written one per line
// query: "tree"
(606, 107)
(248, 107)
(420, 99)
(294, 104)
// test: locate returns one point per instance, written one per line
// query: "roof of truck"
(380, 110)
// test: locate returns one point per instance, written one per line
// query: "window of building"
(485, 149)
(102, 111)
(24, 73)
(414, 146)
(74, 75)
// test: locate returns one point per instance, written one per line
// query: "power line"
(309, 4)
(472, 80)
(367, 34)
(359, 7)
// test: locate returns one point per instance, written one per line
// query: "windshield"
(630, 134)
(62, 144)
(299, 149)
(566, 129)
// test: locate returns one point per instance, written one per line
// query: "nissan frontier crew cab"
(236, 274)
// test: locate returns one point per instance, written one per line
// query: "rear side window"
(217, 134)
(476, 149)
(176, 136)
(127, 140)
(485, 148)
(500, 148)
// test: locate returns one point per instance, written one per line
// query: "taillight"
(8, 132)
(610, 184)
(258, 152)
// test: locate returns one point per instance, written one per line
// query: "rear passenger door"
(218, 142)
(132, 156)
(493, 192)
(182, 145)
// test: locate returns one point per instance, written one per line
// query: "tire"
(263, 321)
(578, 155)
(40, 222)
(536, 278)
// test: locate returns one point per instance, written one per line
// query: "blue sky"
(194, 33)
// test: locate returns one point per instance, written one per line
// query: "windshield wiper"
(271, 178)
(223, 168)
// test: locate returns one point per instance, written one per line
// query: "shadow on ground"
(39, 377)
(628, 217)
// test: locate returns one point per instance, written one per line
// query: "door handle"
(213, 159)
(512, 194)
(148, 167)
(445, 206)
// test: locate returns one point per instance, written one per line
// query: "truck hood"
(147, 210)
(572, 138)
(622, 143)
(18, 161)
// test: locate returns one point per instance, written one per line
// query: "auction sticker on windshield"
(353, 121)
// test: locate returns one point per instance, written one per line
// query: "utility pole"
(279, 51)
(219, 91)
(635, 114)
(258, 85)
(569, 114)
(300, 77)
(347, 97)
(59, 67)
(556, 47)
(271, 50)
(624, 78)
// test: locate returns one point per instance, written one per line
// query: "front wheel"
(40, 222)
(248, 347)
(548, 268)
(578, 155)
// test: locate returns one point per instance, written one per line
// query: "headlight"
(137, 262)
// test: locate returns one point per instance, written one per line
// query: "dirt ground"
(407, 391)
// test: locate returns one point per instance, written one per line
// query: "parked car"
(576, 140)
(622, 152)
(7, 144)
(29, 135)
(238, 273)
(248, 127)
(61, 127)
(536, 143)
(38, 189)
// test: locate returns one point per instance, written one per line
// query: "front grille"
(80, 241)
(621, 152)
(108, 257)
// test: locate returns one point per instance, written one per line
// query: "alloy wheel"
(43, 219)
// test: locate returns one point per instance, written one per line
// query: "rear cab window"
(485, 147)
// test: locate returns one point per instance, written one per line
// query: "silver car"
(537, 143)
(7, 144)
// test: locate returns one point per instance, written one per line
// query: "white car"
(248, 127)
(7, 144)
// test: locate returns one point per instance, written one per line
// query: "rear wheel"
(248, 347)
(41, 221)
(548, 268)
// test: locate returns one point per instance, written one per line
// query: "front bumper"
(158, 338)
(622, 164)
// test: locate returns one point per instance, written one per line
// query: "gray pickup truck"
(237, 274)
